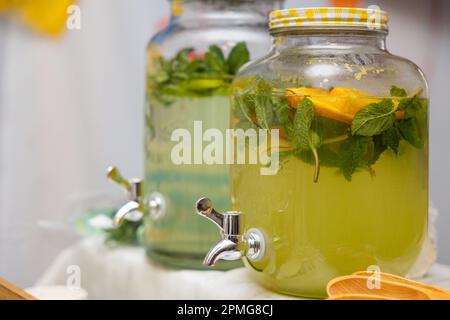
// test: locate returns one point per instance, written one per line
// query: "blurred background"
(71, 104)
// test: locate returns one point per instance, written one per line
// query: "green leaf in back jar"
(238, 56)
(217, 52)
(181, 59)
(215, 59)
(374, 119)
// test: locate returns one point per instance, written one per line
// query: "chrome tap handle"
(233, 244)
(114, 175)
(205, 209)
(229, 222)
(133, 187)
(133, 210)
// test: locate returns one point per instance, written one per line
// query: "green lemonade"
(190, 87)
(181, 238)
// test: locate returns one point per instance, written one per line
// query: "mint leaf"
(162, 74)
(411, 132)
(352, 152)
(316, 138)
(263, 110)
(413, 106)
(217, 52)
(398, 92)
(332, 128)
(379, 147)
(414, 125)
(307, 138)
(263, 104)
(214, 63)
(303, 119)
(192, 75)
(242, 107)
(238, 56)
(391, 139)
(282, 112)
(215, 59)
(374, 119)
(183, 56)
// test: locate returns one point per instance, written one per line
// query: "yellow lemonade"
(318, 231)
(320, 226)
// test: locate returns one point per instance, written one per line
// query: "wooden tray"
(10, 292)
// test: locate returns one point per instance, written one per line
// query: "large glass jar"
(351, 190)
(191, 65)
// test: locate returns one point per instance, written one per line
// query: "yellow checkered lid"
(372, 18)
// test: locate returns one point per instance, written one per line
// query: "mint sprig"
(391, 139)
(352, 152)
(376, 129)
(238, 56)
(374, 119)
(264, 105)
(411, 131)
(398, 92)
(378, 121)
(191, 74)
(307, 138)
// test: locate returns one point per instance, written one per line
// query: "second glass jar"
(191, 65)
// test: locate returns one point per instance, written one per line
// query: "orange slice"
(352, 100)
(340, 104)
(325, 105)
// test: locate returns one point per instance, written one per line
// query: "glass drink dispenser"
(351, 190)
(191, 65)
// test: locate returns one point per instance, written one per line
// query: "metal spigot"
(136, 206)
(233, 245)
(133, 210)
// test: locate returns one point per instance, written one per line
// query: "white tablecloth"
(126, 273)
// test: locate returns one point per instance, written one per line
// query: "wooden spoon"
(357, 285)
(435, 293)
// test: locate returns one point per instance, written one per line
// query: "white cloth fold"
(126, 273)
